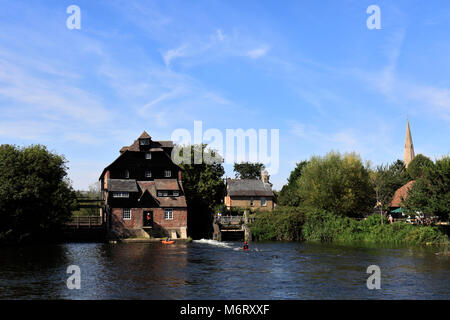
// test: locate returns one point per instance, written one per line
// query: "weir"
(229, 228)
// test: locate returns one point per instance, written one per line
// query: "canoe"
(168, 242)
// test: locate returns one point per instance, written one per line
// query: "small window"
(121, 195)
(263, 202)
(168, 214)
(144, 142)
(176, 193)
(252, 202)
(148, 174)
(148, 155)
(160, 194)
(126, 214)
(167, 173)
(165, 194)
(127, 174)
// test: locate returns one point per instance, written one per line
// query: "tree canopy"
(417, 166)
(35, 194)
(337, 183)
(431, 192)
(248, 170)
(204, 189)
(289, 195)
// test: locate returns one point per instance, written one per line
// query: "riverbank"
(297, 224)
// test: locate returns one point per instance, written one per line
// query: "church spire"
(408, 153)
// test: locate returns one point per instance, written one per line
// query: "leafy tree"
(417, 166)
(248, 170)
(36, 198)
(204, 190)
(431, 192)
(338, 184)
(289, 195)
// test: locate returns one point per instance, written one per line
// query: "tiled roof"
(150, 187)
(249, 187)
(167, 184)
(145, 135)
(126, 185)
(401, 194)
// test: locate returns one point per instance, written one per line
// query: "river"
(207, 269)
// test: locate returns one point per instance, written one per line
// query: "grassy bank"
(297, 224)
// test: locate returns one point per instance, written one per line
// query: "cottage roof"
(401, 194)
(166, 184)
(125, 185)
(145, 135)
(249, 187)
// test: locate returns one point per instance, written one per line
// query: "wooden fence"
(85, 221)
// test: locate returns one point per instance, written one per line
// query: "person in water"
(245, 247)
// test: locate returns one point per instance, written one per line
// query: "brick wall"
(244, 202)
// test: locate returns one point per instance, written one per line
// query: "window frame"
(168, 216)
(123, 214)
(127, 174)
(175, 195)
(265, 202)
(120, 194)
(148, 155)
(167, 173)
(148, 173)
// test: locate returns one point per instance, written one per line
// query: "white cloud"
(258, 52)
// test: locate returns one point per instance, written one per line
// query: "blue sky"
(311, 69)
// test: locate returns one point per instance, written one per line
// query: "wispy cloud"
(258, 52)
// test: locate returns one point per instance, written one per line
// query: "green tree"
(36, 198)
(204, 189)
(338, 184)
(417, 166)
(289, 195)
(431, 192)
(248, 170)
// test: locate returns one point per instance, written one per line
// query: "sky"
(311, 69)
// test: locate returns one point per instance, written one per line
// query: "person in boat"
(245, 247)
(168, 239)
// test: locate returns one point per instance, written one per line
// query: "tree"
(431, 192)
(36, 198)
(204, 189)
(338, 184)
(417, 166)
(248, 170)
(289, 195)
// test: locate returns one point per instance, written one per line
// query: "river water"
(207, 269)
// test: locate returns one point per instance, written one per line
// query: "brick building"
(250, 193)
(143, 192)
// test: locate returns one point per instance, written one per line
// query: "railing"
(85, 221)
(230, 220)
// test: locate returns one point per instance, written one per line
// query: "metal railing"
(85, 221)
(230, 220)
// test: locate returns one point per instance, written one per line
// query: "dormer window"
(167, 173)
(148, 155)
(127, 174)
(148, 174)
(144, 142)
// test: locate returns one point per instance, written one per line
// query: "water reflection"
(203, 270)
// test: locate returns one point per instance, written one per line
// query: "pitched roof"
(145, 135)
(167, 184)
(401, 194)
(249, 187)
(126, 185)
(150, 187)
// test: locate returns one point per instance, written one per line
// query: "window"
(144, 142)
(167, 173)
(127, 174)
(163, 193)
(148, 155)
(159, 193)
(148, 174)
(252, 202)
(263, 202)
(126, 214)
(168, 214)
(121, 195)
(176, 193)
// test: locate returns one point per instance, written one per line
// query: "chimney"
(265, 176)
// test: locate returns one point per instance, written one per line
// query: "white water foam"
(214, 243)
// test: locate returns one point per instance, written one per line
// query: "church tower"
(408, 153)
